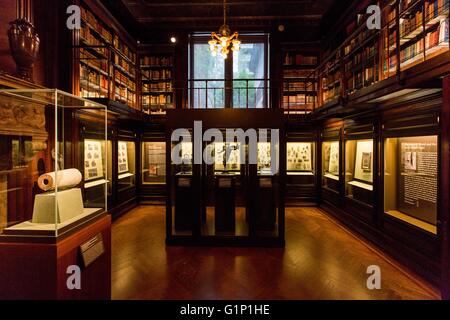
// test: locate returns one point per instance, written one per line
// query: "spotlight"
(173, 40)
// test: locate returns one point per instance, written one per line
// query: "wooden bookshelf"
(157, 74)
(413, 31)
(107, 65)
(360, 56)
(330, 79)
(299, 83)
(95, 41)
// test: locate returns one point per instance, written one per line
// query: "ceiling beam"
(313, 17)
(218, 4)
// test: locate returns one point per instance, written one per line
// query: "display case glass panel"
(40, 188)
(183, 194)
(300, 158)
(265, 156)
(227, 157)
(330, 165)
(359, 163)
(126, 162)
(411, 180)
(153, 162)
(97, 168)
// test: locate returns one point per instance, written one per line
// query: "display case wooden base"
(31, 270)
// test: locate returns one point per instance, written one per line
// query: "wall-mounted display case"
(359, 165)
(126, 164)
(301, 166)
(97, 159)
(41, 185)
(411, 180)
(330, 165)
(300, 158)
(153, 163)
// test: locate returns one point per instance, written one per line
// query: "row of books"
(332, 93)
(160, 86)
(124, 80)
(363, 78)
(91, 40)
(161, 99)
(86, 92)
(124, 64)
(157, 61)
(91, 79)
(432, 39)
(298, 100)
(162, 74)
(89, 59)
(330, 80)
(392, 15)
(411, 23)
(126, 96)
(89, 17)
(299, 60)
(298, 86)
(124, 49)
(435, 8)
(298, 73)
(406, 4)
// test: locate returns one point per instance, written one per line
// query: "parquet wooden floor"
(321, 261)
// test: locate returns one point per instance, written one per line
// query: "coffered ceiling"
(167, 13)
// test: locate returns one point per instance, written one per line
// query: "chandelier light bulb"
(224, 40)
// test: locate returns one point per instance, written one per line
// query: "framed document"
(333, 166)
(123, 157)
(93, 160)
(364, 161)
(299, 156)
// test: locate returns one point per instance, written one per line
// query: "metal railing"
(294, 96)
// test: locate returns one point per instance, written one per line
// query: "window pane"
(207, 94)
(249, 64)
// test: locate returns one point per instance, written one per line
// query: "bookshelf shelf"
(156, 71)
(412, 33)
(299, 85)
(107, 65)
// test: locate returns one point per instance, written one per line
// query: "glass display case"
(330, 165)
(126, 164)
(221, 212)
(183, 207)
(265, 156)
(300, 158)
(411, 180)
(227, 158)
(95, 167)
(359, 166)
(153, 163)
(40, 183)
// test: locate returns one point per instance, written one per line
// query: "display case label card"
(183, 182)
(224, 183)
(92, 249)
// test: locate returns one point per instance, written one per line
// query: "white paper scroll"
(65, 178)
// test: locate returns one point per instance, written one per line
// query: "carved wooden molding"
(19, 118)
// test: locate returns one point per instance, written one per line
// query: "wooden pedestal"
(184, 209)
(225, 206)
(265, 206)
(38, 271)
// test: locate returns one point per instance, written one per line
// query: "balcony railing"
(247, 94)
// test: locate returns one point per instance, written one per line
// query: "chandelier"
(224, 41)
